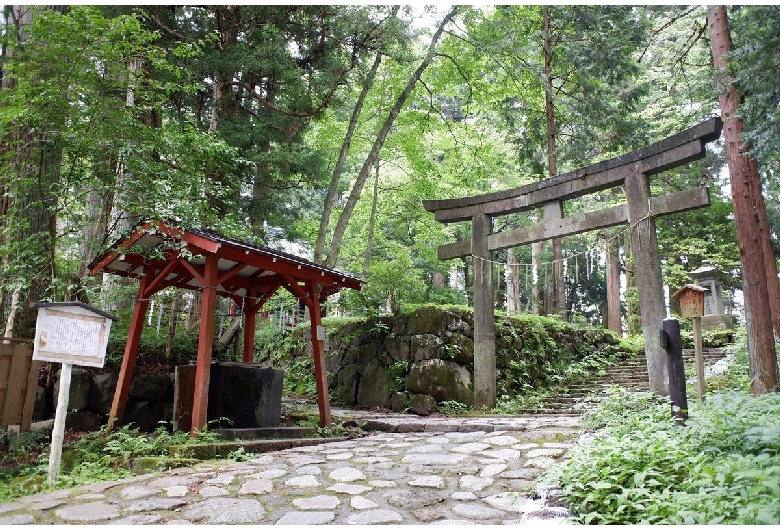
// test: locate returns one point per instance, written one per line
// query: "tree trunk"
(555, 301)
(613, 286)
(173, 320)
(371, 224)
(357, 188)
(633, 319)
(745, 192)
(512, 284)
(537, 301)
(37, 155)
(338, 169)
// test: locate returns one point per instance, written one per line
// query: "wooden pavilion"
(161, 254)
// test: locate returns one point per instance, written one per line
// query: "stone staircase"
(630, 373)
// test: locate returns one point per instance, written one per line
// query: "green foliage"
(100, 455)
(642, 467)
(453, 408)
(299, 377)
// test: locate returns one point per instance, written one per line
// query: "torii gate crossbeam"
(633, 171)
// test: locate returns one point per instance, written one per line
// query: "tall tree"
(338, 168)
(32, 152)
(384, 130)
(747, 200)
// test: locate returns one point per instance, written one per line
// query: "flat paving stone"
(471, 447)
(472, 483)
(361, 503)
(223, 510)
(176, 491)
(47, 505)
(309, 470)
(350, 489)
(269, 473)
(213, 491)
(306, 518)
(150, 505)
(378, 516)
(137, 519)
(347, 474)
(475, 511)
(89, 512)
(320, 502)
(256, 487)
(10, 507)
(492, 470)
(431, 481)
(304, 481)
(435, 458)
(501, 440)
(23, 518)
(138, 492)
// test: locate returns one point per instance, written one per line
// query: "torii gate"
(162, 255)
(633, 171)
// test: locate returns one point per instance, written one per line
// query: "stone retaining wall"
(150, 400)
(416, 362)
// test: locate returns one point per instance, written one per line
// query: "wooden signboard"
(71, 333)
(68, 333)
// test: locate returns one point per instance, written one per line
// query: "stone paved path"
(414, 471)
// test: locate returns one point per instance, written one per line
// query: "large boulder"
(149, 387)
(347, 385)
(444, 380)
(79, 390)
(422, 404)
(140, 414)
(398, 348)
(427, 319)
(101, 393)
(426, 346)
(376, 385)
(458, 347)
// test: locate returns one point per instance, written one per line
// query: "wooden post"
(671, 341)
(208, 304)
(484, 316)
(318, 352)
(648, 277)
(701, 385)
(58, 431)
(250, 324)
(128, 359)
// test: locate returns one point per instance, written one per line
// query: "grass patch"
(641, 467)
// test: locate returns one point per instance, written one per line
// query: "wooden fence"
(18, 381)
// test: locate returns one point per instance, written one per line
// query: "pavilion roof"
(178, 256)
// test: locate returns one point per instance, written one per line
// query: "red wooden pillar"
(205, 343)
(250, 324)
(131, 352)
(250, 318)
(318, 352)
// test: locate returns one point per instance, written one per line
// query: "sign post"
(692, 306)
(69, 333)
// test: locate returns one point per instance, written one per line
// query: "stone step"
(266, 433)
(629, 373)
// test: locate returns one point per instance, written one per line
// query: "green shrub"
(641, 467)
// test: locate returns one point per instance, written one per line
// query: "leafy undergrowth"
(641, 467)
(86, 457)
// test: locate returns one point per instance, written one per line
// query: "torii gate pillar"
(649, 282)
(484, 316)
